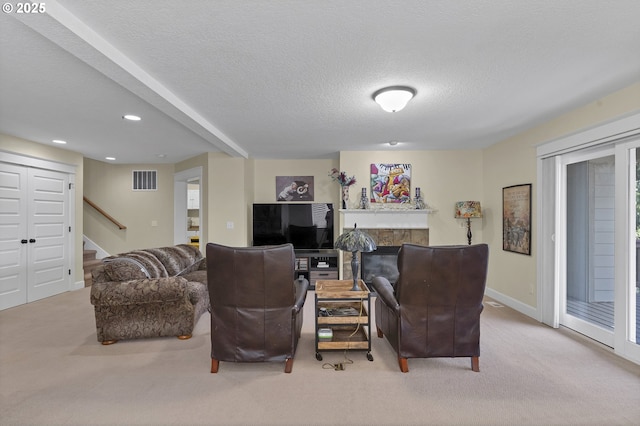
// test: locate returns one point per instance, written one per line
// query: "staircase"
(89, 263)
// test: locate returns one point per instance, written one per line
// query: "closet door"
(48, 228)
(34, 234)
(13, 235)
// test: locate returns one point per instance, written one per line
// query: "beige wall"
(231, 185)
(444, 177)
(148, 215)
(264, 180)
(227, 201)
(50, 153)
(513, 162)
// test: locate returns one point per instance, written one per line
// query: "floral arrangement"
(341, 177)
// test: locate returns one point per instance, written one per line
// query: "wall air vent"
(145, 180)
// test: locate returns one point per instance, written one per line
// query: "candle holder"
(420, 204)
(364, 200)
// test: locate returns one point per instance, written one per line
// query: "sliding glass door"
(629, 313)
(589, 290)
(589, 233)
(599, 216)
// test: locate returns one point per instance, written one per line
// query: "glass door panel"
(590, 249)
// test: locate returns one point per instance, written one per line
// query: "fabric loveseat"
(150, 293)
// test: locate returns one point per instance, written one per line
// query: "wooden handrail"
(103, 213)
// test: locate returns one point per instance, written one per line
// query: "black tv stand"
(317, 264)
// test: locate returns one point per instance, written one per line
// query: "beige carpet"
(53, 371)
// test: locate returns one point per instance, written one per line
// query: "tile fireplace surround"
(387, 227)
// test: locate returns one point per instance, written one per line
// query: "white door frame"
(180, 181)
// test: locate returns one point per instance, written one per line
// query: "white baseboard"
(78, 285)
(90, 245)
(523, 308)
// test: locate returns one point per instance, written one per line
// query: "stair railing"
(103, 213)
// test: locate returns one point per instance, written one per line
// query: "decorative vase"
(345, 196)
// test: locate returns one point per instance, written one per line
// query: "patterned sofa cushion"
(154, 267)
(124, 269)
(135, 292)
(134, 265)
(178, 260)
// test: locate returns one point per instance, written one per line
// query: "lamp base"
(355, 286)
(354, 270)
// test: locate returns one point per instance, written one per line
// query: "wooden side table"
(346, 313)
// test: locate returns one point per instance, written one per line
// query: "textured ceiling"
(294, 78)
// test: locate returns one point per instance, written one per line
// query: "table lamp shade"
(468, 209)
(354, 241)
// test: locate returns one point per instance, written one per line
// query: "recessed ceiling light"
(161, 155)
(393, 143)
(61, 142)
(131, 117)
(110, 158)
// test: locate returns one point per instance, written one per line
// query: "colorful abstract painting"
(390, 183)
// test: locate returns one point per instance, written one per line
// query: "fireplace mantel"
(391, 218)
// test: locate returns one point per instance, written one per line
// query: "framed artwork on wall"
(294, 188)
(516, 219)
(390, 183)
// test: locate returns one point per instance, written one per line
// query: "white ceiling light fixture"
(110, 158)
(59, 141)
(131, 117)
(394, 98)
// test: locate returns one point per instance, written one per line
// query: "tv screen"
(306, 226)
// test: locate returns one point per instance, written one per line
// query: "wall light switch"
(229, 225)
(154, 223)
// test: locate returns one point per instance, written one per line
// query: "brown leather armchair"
(256, 304)
(433, 309)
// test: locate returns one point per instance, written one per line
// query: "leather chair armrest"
(141, 291)
(385, 292)
(301, 285)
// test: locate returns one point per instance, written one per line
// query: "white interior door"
(13, 235)
(48, 271)
(34, 225)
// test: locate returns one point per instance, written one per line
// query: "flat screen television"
(306, 226)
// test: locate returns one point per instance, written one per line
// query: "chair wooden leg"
(404, 366)
(288, 365)
(109, 342)
(475, 363)
(185, 337)
(214, 365)
(380, 334)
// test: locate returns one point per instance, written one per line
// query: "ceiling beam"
(65, 30)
